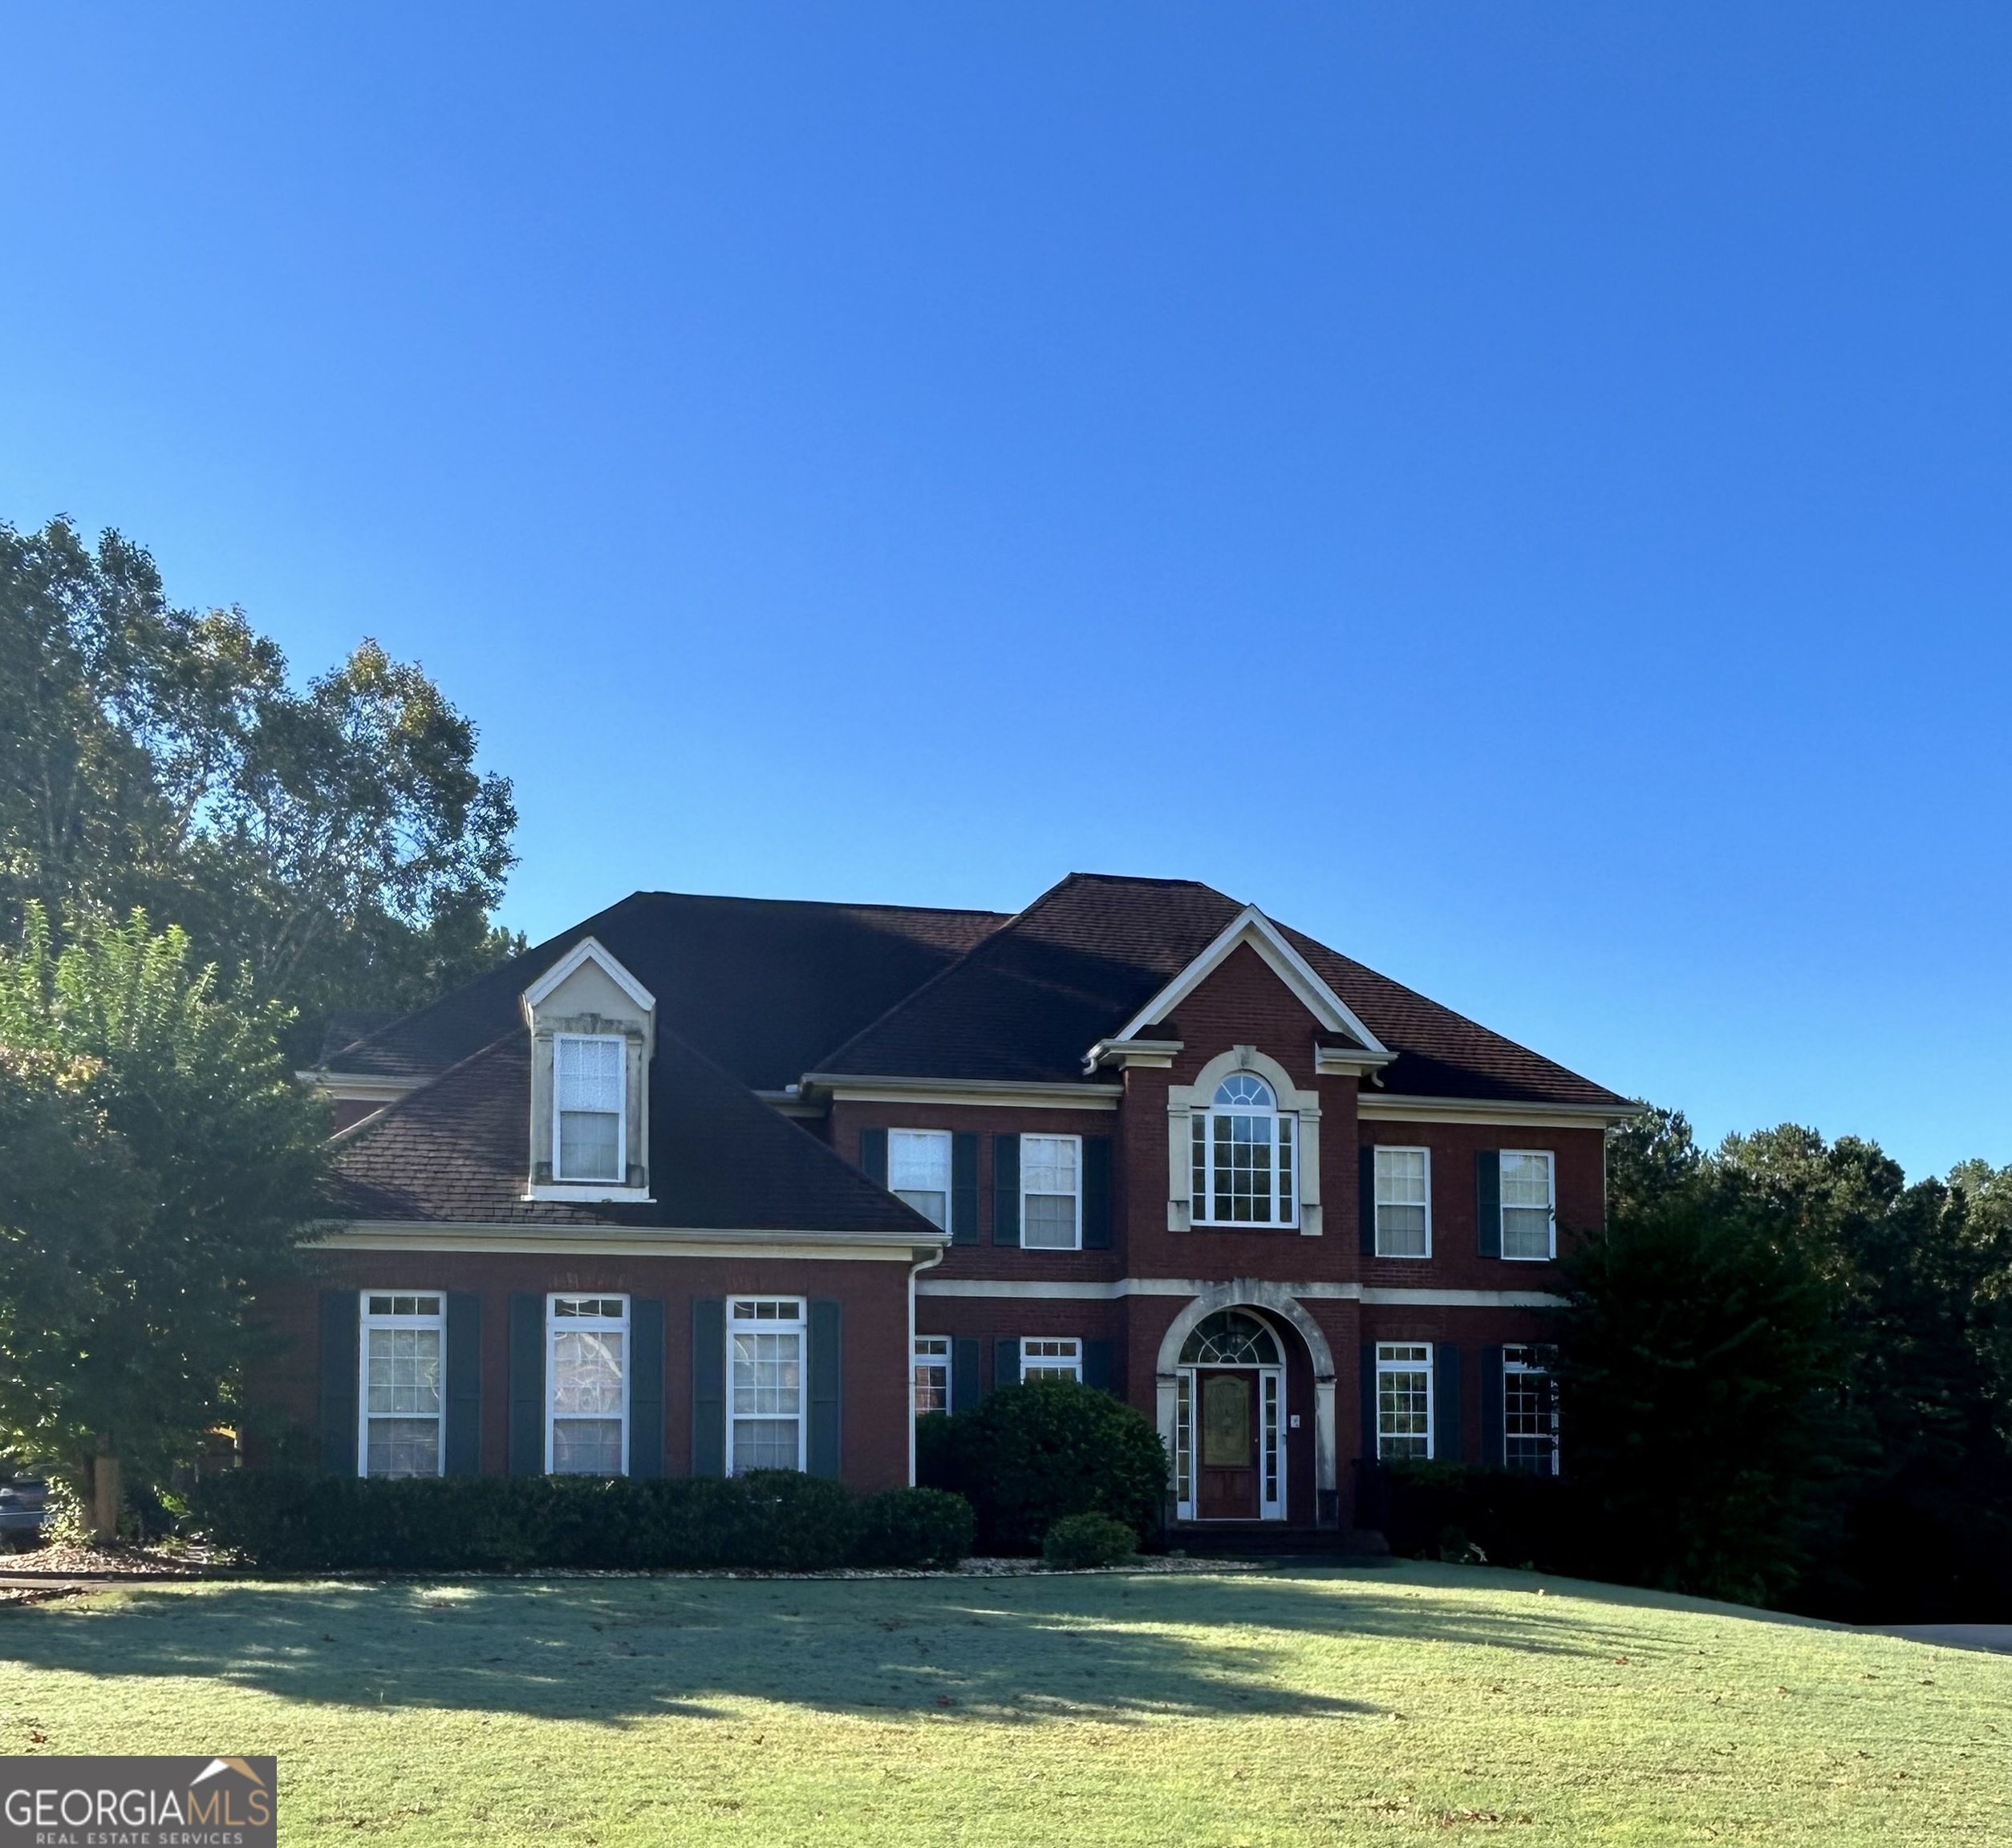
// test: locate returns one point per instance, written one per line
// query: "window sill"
(1402, 1257)
(587, 1191)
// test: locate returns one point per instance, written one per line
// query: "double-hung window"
(764, 1378)
(1241, 1148)
(1043, 1357)
(1528, 1221)
(932, 1374)
(1404, 1400)
(403, 1350)
(1051, 1192)
(918, 1171)
(1529, 1412)
(589, 1103)
(586, 1420)
(1403, 1202)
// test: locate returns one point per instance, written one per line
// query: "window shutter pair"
(709, 1382)
(873, 1155)
(1006, 1197)
(824, 1375)
(1487, 1195)
(1006, 1360)
(1096, 1182)
(462, 1453)
(1366, 1172)
(963, 1188)
(527, 1386)
(342, 1360)
(964, 1390)
(1446, 1402)
(1100, 1367)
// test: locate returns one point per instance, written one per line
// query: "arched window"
(1242, 1156)
(1230, 1337)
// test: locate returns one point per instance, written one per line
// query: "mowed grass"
(1414, 1702)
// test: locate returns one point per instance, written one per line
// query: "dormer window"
(1241, 1148)
(588, 1139)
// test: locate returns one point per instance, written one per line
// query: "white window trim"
(1376, 1206)
(1430, 1364)
(1289, 1218)
(621, 1179)
(949, 1170)
(1051, 1363)
(1551, 1188)
(573, 1324)
(937, 1358)
(1077, 1243)
(365, 1322)
(1527, 1368)
(801, 1328)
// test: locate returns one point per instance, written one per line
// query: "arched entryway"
(1224, 1364)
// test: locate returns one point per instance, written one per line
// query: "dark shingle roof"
(760, 986)
(1031, 999)
(719, 1158)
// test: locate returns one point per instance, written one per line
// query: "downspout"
(908, 1367)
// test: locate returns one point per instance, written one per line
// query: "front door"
(1229, 1471)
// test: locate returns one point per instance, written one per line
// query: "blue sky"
(1520, 493)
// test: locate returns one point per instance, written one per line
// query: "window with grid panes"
(1043, 1357)
(1403, 1203)
(765, 1383)
(932, 1374)
(918, 1171)
(1527, 1217)
(587, 1385)
(587, 1108)
(1529, 1412)
(1050, 1191)
(405, 1342)
(1241, 1150)
(1404, 1400)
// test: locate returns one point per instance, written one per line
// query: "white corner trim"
(590, 949)
(1387, 1106)
(1251, 925)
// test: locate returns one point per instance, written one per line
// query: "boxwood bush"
(770, 1519)
(1079, 1540)
(1025, 1456)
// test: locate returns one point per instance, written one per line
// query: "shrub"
(913, 1527)
(1449, 1510)
(770, 1519)
(1079, 1540)
(1026, 1456)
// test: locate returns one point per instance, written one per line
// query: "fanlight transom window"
(1242, 1147)
(1230, 1337)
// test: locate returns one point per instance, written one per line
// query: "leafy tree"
(337, 841)
(159, 1164)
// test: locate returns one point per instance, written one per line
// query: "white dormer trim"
(1252, 926)
(589, 949)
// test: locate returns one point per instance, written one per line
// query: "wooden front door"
(1229, 1462)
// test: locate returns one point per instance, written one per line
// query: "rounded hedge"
(1079, 1540)
(1025, 1456)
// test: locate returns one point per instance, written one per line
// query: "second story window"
(1241, 1150)
(1049, 1191)
(1403, 1203)
(918, 1171)
(586, 1128)
(1527, 1214)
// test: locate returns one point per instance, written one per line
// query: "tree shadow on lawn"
(613, 1650)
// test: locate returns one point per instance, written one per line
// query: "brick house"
(709, 1184)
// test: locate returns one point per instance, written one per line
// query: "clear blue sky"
(1522, 494)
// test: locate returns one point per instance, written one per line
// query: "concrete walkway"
(1997, 1637)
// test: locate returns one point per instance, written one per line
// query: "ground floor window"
(1042, 1357)
(1404, 1400)
(932, 1374)
(1529, 1412)
(587, 1386)
(765, 1373)
(404, 1341)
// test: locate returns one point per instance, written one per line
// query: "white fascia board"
(603, 1240)
(862, 1088)
(1252, 926)
(1387, 1106)
(360, 1088)
(590, 949)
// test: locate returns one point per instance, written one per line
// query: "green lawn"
(1301, 1706)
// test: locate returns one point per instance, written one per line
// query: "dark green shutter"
(873, 1155)
(826, 1366)
(1368, 1401)
(464, 1446)
(527, 1385)
(342, 1360)
(1366, 1172)
(646, 1386)
(1006, 1190)
(1446, 1402)
(963, 1187)
(1097, 1192)
(1100, 1366)
(1487, 1197)
(964, 1389)
(1006, 1361)
(708, 1386)
(1491, 1408)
